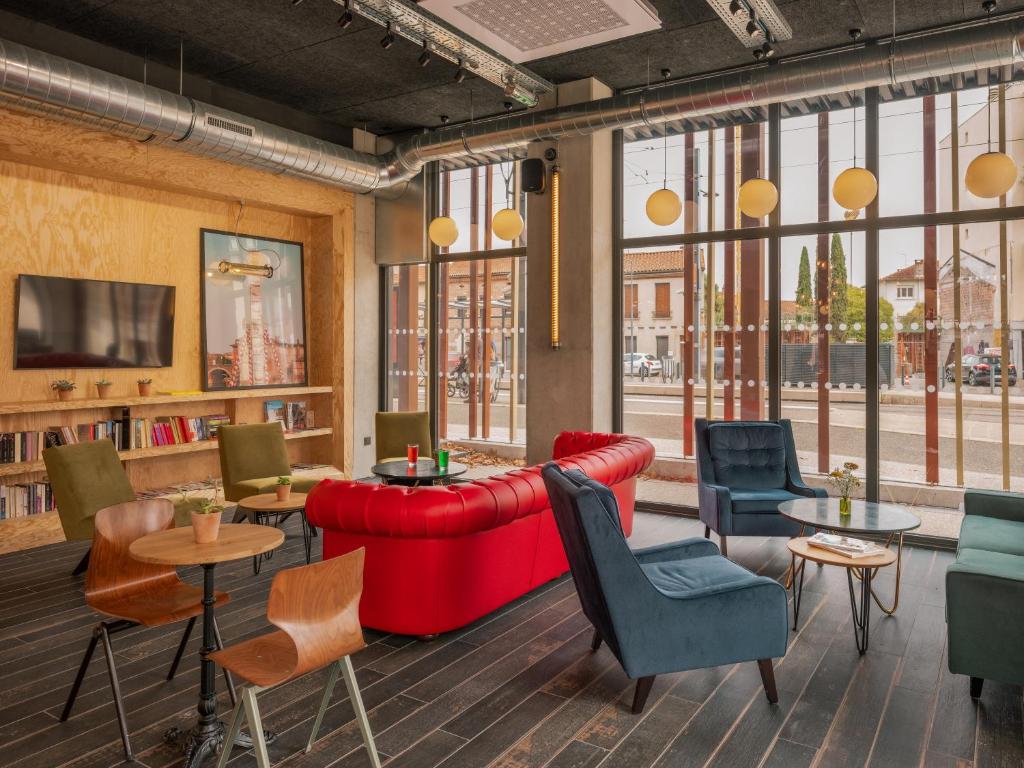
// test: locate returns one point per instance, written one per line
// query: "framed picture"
(253, 312)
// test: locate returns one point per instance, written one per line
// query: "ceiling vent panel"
(526, 30)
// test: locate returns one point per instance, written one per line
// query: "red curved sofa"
(439, 557)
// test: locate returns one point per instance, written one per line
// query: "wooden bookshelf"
(129, 401)
(156, 451)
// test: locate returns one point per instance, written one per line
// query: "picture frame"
(253, 326)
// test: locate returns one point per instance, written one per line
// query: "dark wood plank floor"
(520, 687)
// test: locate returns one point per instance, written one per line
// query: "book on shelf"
(274, 410)
(845, 545)
(25, 499)
(295, 416)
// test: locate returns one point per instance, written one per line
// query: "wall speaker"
(534, 176)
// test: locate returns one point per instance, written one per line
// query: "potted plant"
(843, 480)
(64, 388)
(206, 516)
(103, 388)
(284, 488)
(145, 387)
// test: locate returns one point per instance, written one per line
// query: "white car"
(639, 364)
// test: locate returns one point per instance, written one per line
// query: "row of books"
(126, 433)
(294, 416)
(24, 499)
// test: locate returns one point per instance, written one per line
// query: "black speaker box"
(534, 176)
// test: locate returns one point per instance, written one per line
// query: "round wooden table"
(177, 546)
(863, 567)
(426, 472)
(265, 509)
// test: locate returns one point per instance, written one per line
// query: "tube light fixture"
(249, 270)
(556, 214)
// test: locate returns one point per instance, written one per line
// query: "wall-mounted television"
(68, 323)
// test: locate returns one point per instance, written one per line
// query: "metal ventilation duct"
(41, 82)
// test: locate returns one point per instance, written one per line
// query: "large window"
(927, 310)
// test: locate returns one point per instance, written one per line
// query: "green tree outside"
(804, 296)
(857, 311)
(838, 290)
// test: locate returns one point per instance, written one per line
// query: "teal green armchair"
(985, 591)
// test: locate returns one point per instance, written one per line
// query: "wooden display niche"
(158, 466)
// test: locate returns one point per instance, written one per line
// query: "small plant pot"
(284, 492)
(145, 388)
(65, 394)
(206, 526)
(103, 390)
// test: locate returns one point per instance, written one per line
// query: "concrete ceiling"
(297, 57)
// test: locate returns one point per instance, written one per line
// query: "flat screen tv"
(67, 323)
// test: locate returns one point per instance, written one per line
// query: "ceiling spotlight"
(758, 54)
(767, 50)
(507, 105)
(752, 28)
(735, 7)
(389, 38)
(460, 73)
(856, 34)
(666, 73)
(296, 2)
(444, 119)
(346, 18)
(424, 57)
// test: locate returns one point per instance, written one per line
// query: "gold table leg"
(889, 611)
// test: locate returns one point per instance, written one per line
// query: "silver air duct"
(38, 81)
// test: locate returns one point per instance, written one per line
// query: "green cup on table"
(442, 459)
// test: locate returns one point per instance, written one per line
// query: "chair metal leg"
(81, 675)
(181, 648)
(252, 715)
(234, 726)
(643, 689)
(116, 688)
(768, 680)
(357, 704)
(83, 564)
(325, 700)
(228, 679)
(596, 642)
(707, 531)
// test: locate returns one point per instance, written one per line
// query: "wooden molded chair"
(252, 457)
(394, 431)
(317, 609)
(132, 593)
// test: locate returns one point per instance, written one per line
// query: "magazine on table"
(845, 545)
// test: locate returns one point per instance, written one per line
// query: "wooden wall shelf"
(82, 404)
(26, 467)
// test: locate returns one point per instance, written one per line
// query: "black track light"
(424, 57)
(735, 7)
(389, 38)
(460, 73)
(752, 28)
(767, 50)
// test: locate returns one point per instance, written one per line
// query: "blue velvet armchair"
(666, 608)
(745, 469)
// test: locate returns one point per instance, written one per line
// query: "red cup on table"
(412, 453)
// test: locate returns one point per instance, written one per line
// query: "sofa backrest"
(747, 454)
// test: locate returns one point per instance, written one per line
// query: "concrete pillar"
(571, 388)
(365, 330)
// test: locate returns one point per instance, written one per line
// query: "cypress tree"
(838, 301)
(804, 297)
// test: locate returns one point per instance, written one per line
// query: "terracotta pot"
(65, 394)
(145, 388)
(283, 492)
(206, 526)
(103, 390)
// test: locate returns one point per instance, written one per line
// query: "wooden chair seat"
(173, 602)
(264, 661)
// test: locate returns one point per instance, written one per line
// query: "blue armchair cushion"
(746, 501)
(697, 577)
(746, 455)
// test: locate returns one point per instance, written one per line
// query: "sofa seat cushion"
(748, 455)
(697, 577)
(992, 534)
(983, 562)
(747, 501)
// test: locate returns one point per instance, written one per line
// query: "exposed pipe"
(39, 81)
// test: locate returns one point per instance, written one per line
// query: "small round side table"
(265, 509)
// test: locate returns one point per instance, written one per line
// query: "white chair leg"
(231, 734)
(332, 678)
(252, 715)
(360, 710)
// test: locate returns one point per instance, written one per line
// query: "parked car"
(978, 369)
(639, 364)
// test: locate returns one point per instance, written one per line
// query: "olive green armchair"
(86, 477)
(252, 457)
(395, 430)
